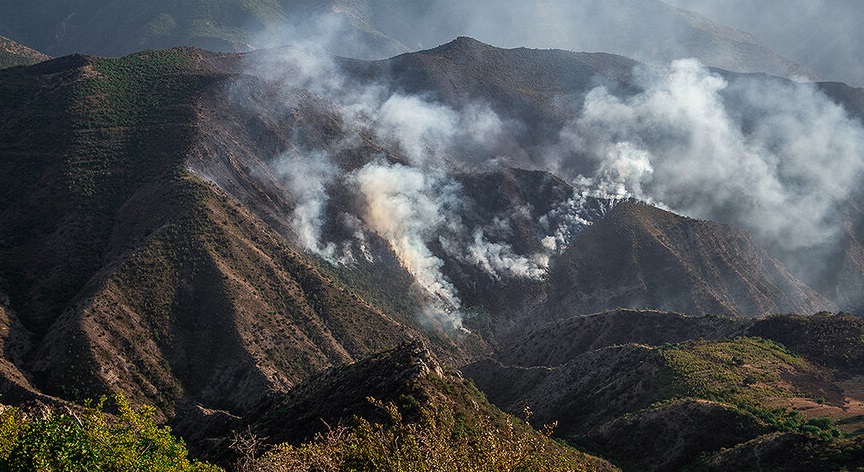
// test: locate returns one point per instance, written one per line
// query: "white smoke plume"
(776, 157)
(307, 176)
(567, 219)
(424, 130)
(430, 132)
(499, 260)
(407, 207)
(360, 238)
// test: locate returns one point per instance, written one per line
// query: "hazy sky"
(823, 35)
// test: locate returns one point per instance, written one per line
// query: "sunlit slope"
(15, 54)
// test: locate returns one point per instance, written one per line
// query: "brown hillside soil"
(236, 314)
(15, 341)
(558, 342)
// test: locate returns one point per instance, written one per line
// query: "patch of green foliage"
(741, 371)
(822, 427)
(90, 440)
(744, 372)
(8, 59)
(119, 110)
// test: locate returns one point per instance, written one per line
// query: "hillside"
(14, 54)
(148, 280)
(807, 33)
(638, 256)
(521, 84)
(663, 261)
(411, 379)
(706, 383)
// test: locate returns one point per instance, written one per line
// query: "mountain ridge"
(15, 54)
(379, 28)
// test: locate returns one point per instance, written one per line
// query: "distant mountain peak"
(462, 46)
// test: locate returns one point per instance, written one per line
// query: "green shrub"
(90, 440)
(822, 427)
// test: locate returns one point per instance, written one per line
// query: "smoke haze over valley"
(778, 157)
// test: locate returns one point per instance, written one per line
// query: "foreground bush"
(439, 441)
(90, 440)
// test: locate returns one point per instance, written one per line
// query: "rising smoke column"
(406, 207)
(499, 260)
(307, 176)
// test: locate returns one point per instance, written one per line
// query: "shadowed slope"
(643, 257)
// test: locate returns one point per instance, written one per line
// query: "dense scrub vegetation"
(440, 440)
(13, 54)
(746, 373)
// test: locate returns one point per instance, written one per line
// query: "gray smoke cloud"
(776, 157)
(424, 130)
(307, 176)
(412, 205)
(407, 208)
(431, 133)
(499, 260)
(568, 217)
